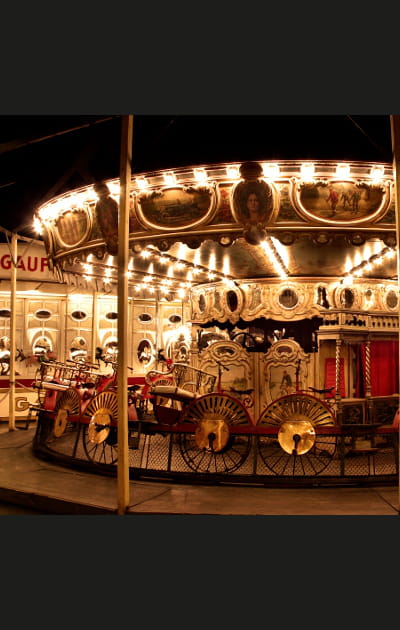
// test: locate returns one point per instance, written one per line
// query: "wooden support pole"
(123, 260)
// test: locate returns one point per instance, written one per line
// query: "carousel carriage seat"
(182, 382)
(53, 385)
(173, 391)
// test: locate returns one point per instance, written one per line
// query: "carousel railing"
(194, 427)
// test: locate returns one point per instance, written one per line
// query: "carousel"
(262, 325)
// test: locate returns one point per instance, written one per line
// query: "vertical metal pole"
(368, 369)
(122, 302)
(95, 324)
(157, 334)
(13, 327)
(338, 393)
(395, 137)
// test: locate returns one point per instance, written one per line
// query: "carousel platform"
(54, 489)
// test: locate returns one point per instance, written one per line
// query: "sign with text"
(32, 263)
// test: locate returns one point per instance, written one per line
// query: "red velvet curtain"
(384, 368)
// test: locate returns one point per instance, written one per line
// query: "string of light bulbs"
(368, 265)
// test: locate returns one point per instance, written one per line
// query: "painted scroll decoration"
(72, 227)
(176, 208)
(340, 202)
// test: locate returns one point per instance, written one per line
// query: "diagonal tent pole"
(395, 132)
(122, 301)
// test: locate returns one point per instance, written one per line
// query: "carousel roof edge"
(200, 200)
(226, 171)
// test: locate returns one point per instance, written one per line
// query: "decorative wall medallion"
(232, 301)
(392, 300)
(288, 298)
(346, 298)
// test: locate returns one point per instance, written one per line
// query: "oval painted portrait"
(253, 202)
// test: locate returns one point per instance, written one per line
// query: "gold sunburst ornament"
(297, 435)
(212, 434)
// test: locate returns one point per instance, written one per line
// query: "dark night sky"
(33, 171)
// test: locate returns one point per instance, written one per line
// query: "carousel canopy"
(229, 222)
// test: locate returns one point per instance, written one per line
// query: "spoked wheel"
(296, 448)
(68, 404)
(212, 448)
(99, 436)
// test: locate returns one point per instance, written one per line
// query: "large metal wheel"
(68, 404)
(100, 435)
(212, 447)
(296, 448)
